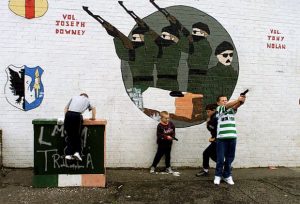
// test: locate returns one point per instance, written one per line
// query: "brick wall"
(268, 124)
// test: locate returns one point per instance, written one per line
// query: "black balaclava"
(161, 42)
(203, 27)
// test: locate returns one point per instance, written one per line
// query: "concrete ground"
(254, 185)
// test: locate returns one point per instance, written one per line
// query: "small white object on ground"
(176, 173)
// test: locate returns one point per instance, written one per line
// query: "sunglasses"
(226, 54)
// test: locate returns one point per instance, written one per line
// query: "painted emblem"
(29, 8)
(24, 88)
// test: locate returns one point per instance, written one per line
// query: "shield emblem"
(24, 88)
(29, 8)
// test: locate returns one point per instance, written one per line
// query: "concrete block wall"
(268, 123)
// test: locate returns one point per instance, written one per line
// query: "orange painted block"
(186, 106)
(93, 180)
(94, 122)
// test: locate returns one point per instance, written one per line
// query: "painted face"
(168, 36)
(199, 32)
(222, 101)
(226, 57)
(138, 38)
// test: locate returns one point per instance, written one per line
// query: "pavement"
(252, 185)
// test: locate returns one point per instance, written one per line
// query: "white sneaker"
(169, 170)
(77, 156)
(217, 180)
(229, 180)
(152, 170)
(68, 157)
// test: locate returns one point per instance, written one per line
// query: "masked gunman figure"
(220, 79)
(135, 51)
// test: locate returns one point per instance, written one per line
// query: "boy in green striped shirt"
(226, 137)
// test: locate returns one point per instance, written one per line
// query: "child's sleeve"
(173, 127)
(160, 132)
(220, 111)
(68, 104)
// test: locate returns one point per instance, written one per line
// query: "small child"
(165, 134)
(211, 150)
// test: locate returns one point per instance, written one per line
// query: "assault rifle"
(97, 17)
(162, 10)
(139, 21)
(111, 30)
(173, 20)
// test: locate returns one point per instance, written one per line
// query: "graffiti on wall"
(177, 59)
(28, 8)
(276, 40)
(50, 143)
(52, 155)
(69, 25)
(24, 88)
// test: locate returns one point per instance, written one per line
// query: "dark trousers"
(209, 152)
(72, 125)
(225, 150)
(164, 148)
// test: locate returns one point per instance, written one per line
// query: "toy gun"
(174, 138)
(244, 94)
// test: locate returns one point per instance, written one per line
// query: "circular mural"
(179, 61)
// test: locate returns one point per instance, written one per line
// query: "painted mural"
(29, 8)
(178, 59)
(24, 88)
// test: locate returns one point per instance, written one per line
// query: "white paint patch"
(69, 180)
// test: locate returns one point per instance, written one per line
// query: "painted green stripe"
(227, 125)
(43, 181)
(44, 121)
(227, 131)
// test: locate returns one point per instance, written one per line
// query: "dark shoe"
(176, 94)
(202, 173)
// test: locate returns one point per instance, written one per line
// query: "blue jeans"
(225, 150)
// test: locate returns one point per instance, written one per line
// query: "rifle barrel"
(97, 17)
(131, 13)
(164, 11)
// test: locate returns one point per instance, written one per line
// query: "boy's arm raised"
(235, 103)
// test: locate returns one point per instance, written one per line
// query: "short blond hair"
(163, 113)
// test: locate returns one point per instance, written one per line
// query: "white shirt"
(79, 104)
